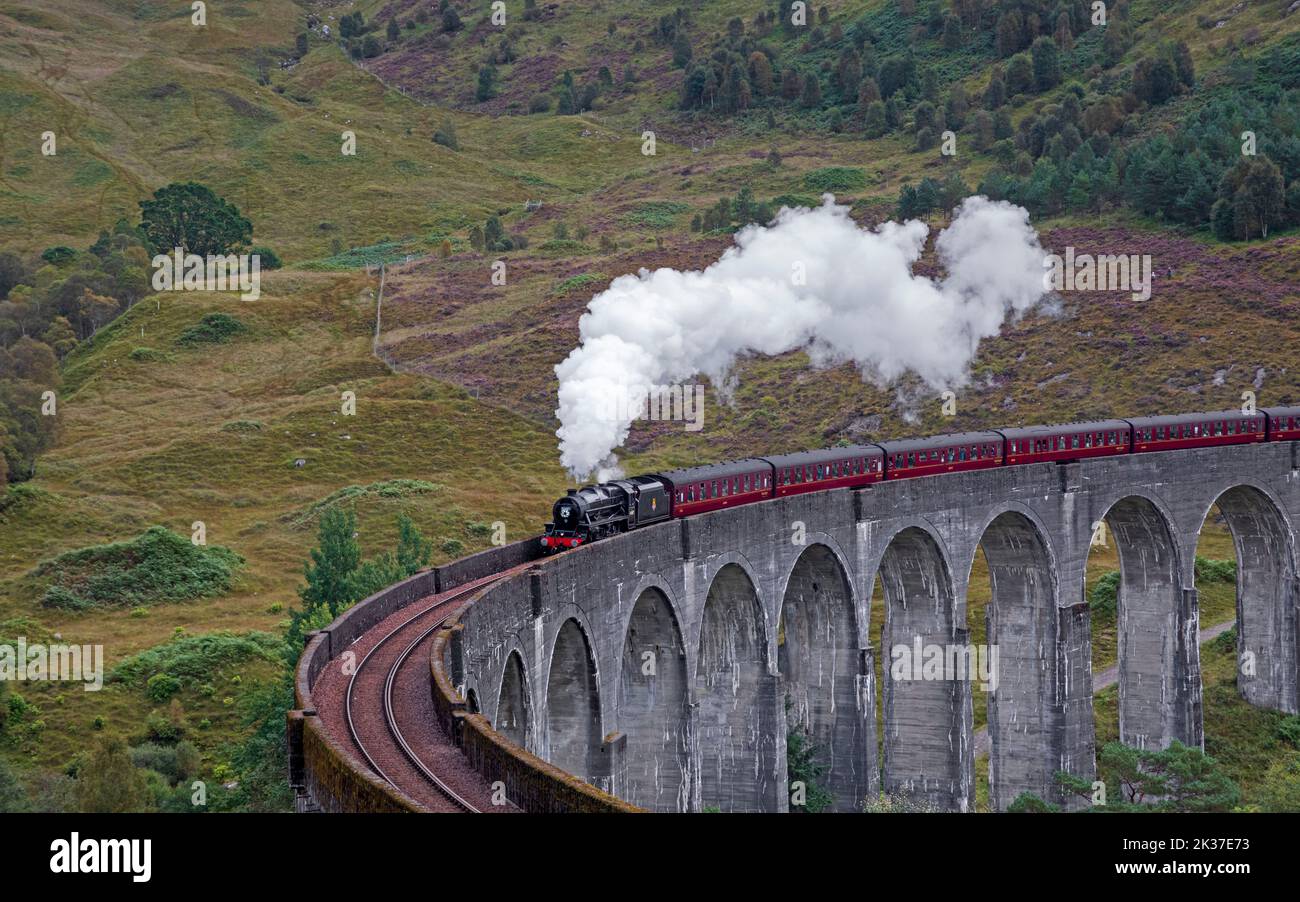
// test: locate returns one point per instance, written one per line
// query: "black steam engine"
(599, 511)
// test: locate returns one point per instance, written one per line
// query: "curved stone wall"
(319, 766)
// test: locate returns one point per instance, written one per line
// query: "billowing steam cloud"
(812, 279)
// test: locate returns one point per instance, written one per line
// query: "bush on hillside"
(214, 328)
(158, 565)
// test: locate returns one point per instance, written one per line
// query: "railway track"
(390, 752)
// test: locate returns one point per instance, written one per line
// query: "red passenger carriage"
(829, 468)
(1066, 441)
(942, 454)
(697, 490)
(1197, 430)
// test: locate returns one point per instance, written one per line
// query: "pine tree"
(873, 123)
(332, 563)
(995, 95)
(812, 92)
(487, 89)
(492, 233)
(1047, 64)
(682, 51)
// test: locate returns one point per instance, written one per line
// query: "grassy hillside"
(212, 434)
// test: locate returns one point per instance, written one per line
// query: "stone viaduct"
(666, 665)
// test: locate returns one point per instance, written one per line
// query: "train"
(599, 511)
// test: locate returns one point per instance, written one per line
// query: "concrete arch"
(1158, 657)
(652, 705)
(718, 562)
(822, 672)
(573, 717)
(1266, 596)
(738, 709)
(514, 706)
(1021, 638)
(927, 741)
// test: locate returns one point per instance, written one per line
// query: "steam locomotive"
(598, 511)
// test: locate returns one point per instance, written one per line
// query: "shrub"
(161, 686)
(158, 565)
(149, 355)
(453, 547)
(579, 281)
(835, 178)
(1103, 600)
(196, 660)
(446, 135)
(657, 214)
(1027, 802)
(212, 329)
(174, 762)
(1288, 730)
(166, 728)
(267, 258)
(58, 255)
(1212, 571)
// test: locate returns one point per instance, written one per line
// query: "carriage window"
(690, 493)
(911, 458)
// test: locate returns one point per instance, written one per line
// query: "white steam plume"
(812, 279)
